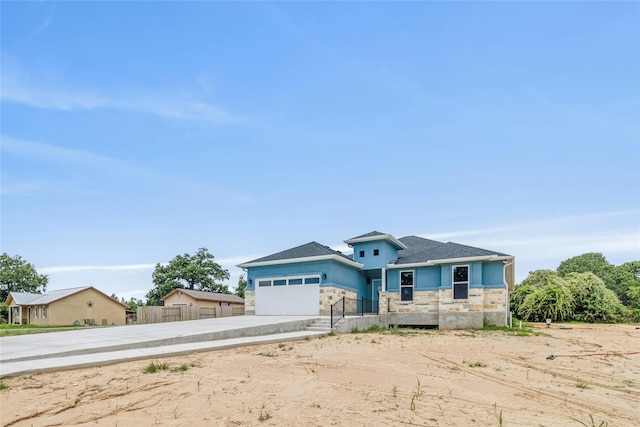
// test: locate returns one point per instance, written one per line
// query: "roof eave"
(429, 263)
(302, 259)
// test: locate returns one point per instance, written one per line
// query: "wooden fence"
(155, 314)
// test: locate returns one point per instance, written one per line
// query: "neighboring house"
(178, 297)
(411, 280)
(84, 305)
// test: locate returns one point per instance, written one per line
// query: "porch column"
(21, 315)
(384, 280)
(9, 311)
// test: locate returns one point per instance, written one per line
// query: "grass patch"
(478, 365)
(153, 367)
(3, 386)
(582, 385)
(527, 330)
(268, 354)
(7, 329)
(181, 368)
(284, 347)
(374, 328)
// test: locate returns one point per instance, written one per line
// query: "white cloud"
(53, 96)
(547, 242)
(562, 222)
(53, 153)
(80, 268)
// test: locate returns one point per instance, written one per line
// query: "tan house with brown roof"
(187, 297)
(83, 305)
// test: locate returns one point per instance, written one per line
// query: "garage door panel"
(291, 300)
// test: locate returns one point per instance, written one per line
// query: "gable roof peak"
(374, 236)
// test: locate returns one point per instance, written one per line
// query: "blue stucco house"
(409, 280)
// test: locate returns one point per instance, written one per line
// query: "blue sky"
(136, 131)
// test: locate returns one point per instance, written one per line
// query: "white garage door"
(276, 297)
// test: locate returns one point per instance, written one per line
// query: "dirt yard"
(426, 378)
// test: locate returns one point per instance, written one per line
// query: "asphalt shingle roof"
(422, 250)
(26, 298)
(311, 249)
(418, 249)
(371, 234)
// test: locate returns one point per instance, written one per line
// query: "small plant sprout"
(417, 392)
(593, 423)
(264, 415)
(497, 414)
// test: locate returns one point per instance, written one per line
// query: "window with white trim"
(44, 311)
(289, 281)
(460, 282)
(35, 312)
(406, 285)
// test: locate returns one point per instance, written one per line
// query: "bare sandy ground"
(426, 378)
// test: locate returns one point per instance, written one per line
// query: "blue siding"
(338, 274)
(475, 279)
(387, 254)
(493, 274)
(343, 276)
(427, 278)
(481, 275)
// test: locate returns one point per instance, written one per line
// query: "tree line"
(585, 288)
(198, 272)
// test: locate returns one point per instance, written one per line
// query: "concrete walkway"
(98, 346)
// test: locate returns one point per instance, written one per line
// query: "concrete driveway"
(95, 346)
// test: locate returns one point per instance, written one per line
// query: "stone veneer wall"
(249, 302)
(423, 301)
(329, 295)
(495, 307)
(437, 307)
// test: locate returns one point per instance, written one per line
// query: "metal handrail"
(354, 307)
(337, 311)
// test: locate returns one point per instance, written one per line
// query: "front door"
(375, 289)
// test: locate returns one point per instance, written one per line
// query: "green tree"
(546, 296)
(596, 263)
(132, 304)
(593, 301)
(242, 284)
(633, 297)
(17, 275)
(628, 276)
(4, 312)
(528, 286)
(199, 272)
